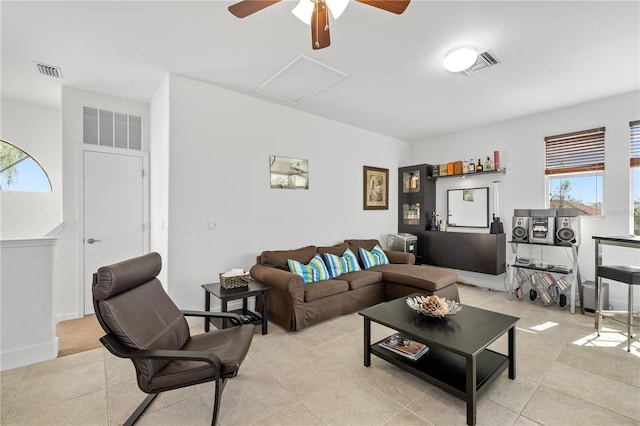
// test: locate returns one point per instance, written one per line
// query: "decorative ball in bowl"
(434, 306)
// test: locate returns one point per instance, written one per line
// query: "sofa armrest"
(400, 257)
(279, 280)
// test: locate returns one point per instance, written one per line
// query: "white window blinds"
(634, 155)
(575, 152)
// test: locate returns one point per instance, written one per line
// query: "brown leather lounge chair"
(143, 324)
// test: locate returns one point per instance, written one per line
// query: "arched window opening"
(19, 171)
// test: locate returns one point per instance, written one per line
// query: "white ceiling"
(553, 54)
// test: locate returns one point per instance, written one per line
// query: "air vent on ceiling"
(49, 70)
(485, 60)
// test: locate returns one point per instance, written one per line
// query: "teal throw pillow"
(374, 257)
(338, 265)
(313, 271)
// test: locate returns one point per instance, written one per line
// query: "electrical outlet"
(212, 225)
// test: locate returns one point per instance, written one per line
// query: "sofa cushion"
(322, 289)
(374, 257)
(315, 270)
(337, 249)
(278, 258)
(428, 277)
(355, 245)
(361, 279)
(338, 265)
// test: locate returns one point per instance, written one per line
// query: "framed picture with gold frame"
(376, 188)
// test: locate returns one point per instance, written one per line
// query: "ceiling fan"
(316, 13)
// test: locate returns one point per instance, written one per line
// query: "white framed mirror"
(468, 207)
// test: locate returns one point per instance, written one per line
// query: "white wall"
(26, 308)
(521, 146)
(36, 130)
(69, 297)
(219, 149)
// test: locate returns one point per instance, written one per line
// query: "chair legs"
(220, 383)
(630, 319)
(219, 387)
(143, 406)
(630, 313)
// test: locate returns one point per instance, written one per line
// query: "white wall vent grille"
(108, 128)
(485, 60)
(49, 70)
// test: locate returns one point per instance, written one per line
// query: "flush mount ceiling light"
(316, 13)
(460, 58)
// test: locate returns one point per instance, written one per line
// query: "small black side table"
(254, 288)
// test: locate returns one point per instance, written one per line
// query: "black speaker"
(568, 231)
(520, 229)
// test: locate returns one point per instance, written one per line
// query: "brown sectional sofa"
(294, 305)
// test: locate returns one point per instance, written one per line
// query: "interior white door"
(113, 212)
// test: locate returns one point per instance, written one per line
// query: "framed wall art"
(376, 188)
(288, 173)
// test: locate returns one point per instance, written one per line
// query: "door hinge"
(142, 172)
(144, 227)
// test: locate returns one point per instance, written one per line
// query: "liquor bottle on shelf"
(472, 166)
(465, 167)
(479, 167)
(488, 165)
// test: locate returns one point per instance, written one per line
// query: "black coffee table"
(458, 360)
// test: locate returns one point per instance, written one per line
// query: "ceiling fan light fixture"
(336, 7)
(460, 58)
(304, 9)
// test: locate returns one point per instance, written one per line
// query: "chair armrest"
(400, 257)
(233, 317)
(120, 350)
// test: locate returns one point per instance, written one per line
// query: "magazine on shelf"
(405, 347)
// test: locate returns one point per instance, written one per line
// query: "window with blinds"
(574, 165)
(634, 154)
(575, 152)
(634, 162)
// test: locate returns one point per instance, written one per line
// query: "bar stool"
(629, 275)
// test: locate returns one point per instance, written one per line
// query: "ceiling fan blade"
(320, 25)
(249, 7)
(394, 6)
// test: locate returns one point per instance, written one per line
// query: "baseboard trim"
(29, 355)
(64, 317)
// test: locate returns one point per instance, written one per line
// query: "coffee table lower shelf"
(448, 370)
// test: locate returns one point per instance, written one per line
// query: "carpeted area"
(78, 335)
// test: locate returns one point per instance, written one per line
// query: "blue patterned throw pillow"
(338, 265)
(313, 271)
(374, 257)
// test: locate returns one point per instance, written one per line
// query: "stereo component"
(541, 230)
(520, 229)
(520, 225)
(568, 231)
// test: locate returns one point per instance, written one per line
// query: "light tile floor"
(565, 375)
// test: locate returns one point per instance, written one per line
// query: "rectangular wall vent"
(108, 128)
(49, 70)
(485, 60)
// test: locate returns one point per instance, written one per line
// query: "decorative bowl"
(433, 306)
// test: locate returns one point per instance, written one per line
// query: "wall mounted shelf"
(462, 176)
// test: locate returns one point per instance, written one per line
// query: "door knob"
(91, 241)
